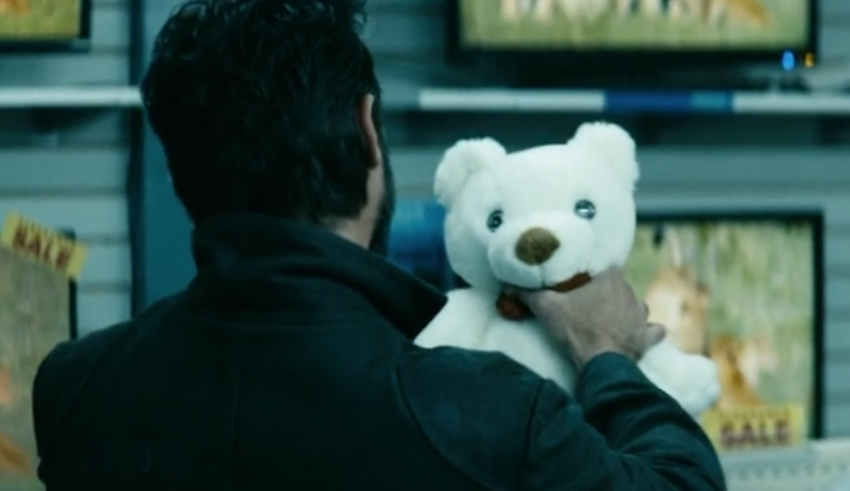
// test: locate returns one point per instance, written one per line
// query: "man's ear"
(460, 162)
(614, 144)
(367, 127)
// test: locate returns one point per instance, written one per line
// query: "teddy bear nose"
(536, 245)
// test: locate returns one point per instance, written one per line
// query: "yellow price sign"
(760, 427)
(44, 245)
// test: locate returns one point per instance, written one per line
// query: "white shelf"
(495, 100)
(818, 466)
(705, 102)
(803, 104)
(70, 97)
(492, 100)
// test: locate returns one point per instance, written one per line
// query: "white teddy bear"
(538, 218)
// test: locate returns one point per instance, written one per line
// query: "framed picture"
(45, 25)
(37, 311)
(745, 289)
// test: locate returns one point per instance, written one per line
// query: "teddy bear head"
(538, 217)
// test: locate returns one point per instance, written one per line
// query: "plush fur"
(534, 219)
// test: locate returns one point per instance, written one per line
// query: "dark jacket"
(287, 364)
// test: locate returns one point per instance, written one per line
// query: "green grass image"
(34, 317)
(46, 19)
(483, 27)
(759, 277)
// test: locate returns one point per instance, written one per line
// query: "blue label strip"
(669, 102)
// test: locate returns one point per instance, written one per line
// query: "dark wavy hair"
(256, 105)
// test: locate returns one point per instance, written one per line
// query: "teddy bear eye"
(494, 221)
(585, 209)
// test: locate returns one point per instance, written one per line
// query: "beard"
(381, 234)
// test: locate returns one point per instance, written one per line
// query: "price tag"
(44, 245)
(762, 427)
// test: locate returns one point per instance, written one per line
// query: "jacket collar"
(249, 264)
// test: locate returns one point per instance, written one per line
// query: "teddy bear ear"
(614, 144)
(460, 162)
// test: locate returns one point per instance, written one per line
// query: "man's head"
(272, 107)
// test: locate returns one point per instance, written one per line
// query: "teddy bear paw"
(700, 390)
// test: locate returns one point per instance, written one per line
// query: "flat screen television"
(582, 35)
(45, 25)
(744, 288)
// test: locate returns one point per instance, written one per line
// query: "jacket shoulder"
(474, 408)
(62, 376)
(71, 359)
(64, 373)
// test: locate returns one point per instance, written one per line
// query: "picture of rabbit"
(740, 292)
(679, 303)
(677, 300)
(735, 390)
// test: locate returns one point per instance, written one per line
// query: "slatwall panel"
(687, 162)
(67, 169)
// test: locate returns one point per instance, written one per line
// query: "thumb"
(534, 298)
(655, 333)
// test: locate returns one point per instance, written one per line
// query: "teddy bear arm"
(691, 380)
(461, 323)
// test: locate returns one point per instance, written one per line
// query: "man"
(288, 362)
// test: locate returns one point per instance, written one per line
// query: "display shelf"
(819, 466)
(72, 97)
(705, 102)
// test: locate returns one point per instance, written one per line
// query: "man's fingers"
(533, 298)
(515, 290)
(612, 271)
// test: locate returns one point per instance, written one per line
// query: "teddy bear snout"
(536, 245)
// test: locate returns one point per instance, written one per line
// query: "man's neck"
(352, 231)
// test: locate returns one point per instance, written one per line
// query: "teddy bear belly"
(528, 343)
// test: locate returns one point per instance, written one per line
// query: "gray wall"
(693, 162)
(69, 169)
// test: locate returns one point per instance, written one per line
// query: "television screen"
(745, 290)
(28, 21)
(634, 25)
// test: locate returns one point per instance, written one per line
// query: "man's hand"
(601, 317)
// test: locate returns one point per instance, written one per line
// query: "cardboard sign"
(44, 245)
(756, 428)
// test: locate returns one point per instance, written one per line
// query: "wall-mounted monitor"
(577, 36)
(45, 25)
(746, 289)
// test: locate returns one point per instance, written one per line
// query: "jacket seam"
(529, 435)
